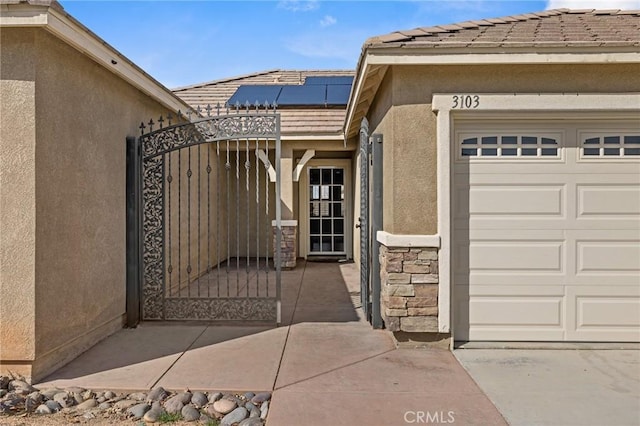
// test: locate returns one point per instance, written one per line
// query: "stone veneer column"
(409, 288)
(288, 242)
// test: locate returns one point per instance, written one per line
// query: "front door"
(326, 211)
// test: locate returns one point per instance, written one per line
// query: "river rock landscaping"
(23, 404)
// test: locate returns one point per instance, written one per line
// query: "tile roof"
(299, 121)
(551, 28)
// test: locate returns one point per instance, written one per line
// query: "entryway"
(326, 210)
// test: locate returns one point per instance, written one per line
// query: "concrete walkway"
(325, 365)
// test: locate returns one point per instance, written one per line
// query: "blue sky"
(187, 42)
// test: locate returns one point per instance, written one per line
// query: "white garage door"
(546, 220)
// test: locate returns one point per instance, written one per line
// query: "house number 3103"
(466, 101)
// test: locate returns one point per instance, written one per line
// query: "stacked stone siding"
(288, 245)
(409, 280)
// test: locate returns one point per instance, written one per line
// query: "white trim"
(443, 172)
(528, 104)
(441, 57)
(285, 222)
(314, 138)
(396, 240)
(541, 102)
(308, 155)
(355, 95)
(72, 32)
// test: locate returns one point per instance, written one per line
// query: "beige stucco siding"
(17, 196)
(409, 124)
(381, 120)
(66, 121)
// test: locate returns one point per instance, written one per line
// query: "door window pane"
(324, 209)
(336, 193)
(315, 192)
(325, 192)
(338, 176)
(315, 243)
(326, 226)
(314, 209)
(314, 226)
(326, 244)
(338, 210)
(314, 176)
(326, 176)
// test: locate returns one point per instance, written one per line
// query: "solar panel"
(338, 94)
(252, 93)
(330, 80)
(302, 95)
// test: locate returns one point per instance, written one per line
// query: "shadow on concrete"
(147, 355)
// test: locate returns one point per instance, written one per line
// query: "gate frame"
(241, 124)
(370, 222)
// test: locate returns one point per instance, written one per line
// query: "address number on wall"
(466, 101)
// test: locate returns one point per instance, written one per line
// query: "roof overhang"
(374, 62)
(55, 20)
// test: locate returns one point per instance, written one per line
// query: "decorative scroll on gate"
(209, 192)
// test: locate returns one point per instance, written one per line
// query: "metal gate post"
(363, 220)
(277, 254)
(376, 225)
(133, 200)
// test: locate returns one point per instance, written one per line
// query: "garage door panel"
(604, 313)
(516, 311)
(608, 201)
(608, 257)
(523, 256)
(525, 200)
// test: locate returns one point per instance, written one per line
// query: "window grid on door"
(511, 146)
(611, 145)
(326, 210)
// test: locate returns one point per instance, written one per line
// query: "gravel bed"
(23, 404)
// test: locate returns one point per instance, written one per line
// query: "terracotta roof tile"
(558, 27)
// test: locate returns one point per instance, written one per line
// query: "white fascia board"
(355, 98)
(540, 102)
(319, 138)
(67, 29)
(396, 240)
(17, 16)
(443, 57)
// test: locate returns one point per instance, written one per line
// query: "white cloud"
(327, 21)
(298, 5)
(593, 4)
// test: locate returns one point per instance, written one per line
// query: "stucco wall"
(409, 124)
(83, 113)
(17, 199)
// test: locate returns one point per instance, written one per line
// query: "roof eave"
(388, 54)
(62, 25)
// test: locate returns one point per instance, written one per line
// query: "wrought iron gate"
(365, 245)
(209, 195)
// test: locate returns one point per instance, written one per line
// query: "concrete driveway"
(559, 387)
